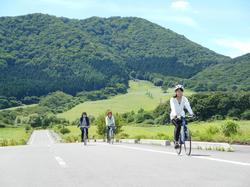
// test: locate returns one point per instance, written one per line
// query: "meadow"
(141, 94)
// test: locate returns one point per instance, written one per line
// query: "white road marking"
(223, 160)
(145, 149)
(61, 162)
(172, 153)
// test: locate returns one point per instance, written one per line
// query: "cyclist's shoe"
(176, 145)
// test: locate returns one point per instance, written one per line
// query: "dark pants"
(177, 123)
(87, 133)
(107, 131)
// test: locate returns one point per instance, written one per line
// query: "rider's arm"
(188, 107)
(88, 121)
(79, 123)
(172, 106)
(106, 121)
(113, 120)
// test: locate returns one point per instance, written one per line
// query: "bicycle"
(111, 135)
(84, 131)
(185, 139)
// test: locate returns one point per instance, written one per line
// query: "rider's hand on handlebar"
(192, 116)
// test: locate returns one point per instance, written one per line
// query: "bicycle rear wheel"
(188, 143)
(85, 137)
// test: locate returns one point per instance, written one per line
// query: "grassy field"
(23, 106)
(201, 131)
(13, 136)
(141, 94)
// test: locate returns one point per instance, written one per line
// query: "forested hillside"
(40, 54)
(224, 77)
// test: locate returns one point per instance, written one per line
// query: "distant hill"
(42, 53)
(231, 76)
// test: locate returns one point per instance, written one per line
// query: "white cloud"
(238, 47)
(180, 4)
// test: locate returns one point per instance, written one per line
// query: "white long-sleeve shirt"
(110, 121)
(177, 109)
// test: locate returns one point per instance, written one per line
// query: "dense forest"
(40, 53)
(230, 76)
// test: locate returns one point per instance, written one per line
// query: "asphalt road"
(45, 163)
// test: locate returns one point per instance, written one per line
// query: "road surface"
(46, 163)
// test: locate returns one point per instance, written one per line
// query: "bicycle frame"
(85, 134)
(111, 134)
(184, 139)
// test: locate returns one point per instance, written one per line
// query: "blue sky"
(220, 25)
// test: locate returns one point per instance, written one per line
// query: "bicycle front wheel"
(178, 150)
(85, 137)
(188, 143)
(111, 136)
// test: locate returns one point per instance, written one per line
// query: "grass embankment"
(201, 131)
(14, 136)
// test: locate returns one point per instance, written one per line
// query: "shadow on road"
(200, 155)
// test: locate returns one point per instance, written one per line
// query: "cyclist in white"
(177, 115)
(110, 123)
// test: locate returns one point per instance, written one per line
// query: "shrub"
(70, 139)
(158, 82)
(234, 112)
(149, 121)
(161, 136)
(101, 126)
(12, 142)
(123, 135)
(22, 142)
(130, 119)
(64, 130)
(230, 128)
(2, 125)
(217, 117)
(139, 137)
(139, 118)
(212, 130)
(246, 115)
(35, 120)
(27, 128)
(3, 142)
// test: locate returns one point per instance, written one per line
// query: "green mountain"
(230, 76)
(42, 53)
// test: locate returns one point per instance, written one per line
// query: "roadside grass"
(14, 136)
(201, 131)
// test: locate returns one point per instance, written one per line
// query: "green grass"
(135, 99)
(23, 106)
(13, 136)
(201, 131)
